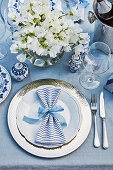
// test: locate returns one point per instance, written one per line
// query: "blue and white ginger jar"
(20, 71)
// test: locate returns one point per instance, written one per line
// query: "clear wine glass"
(3, 47)
(9, 24)
(95, 63)
(2, 34)
(2, 28)
(7, 7)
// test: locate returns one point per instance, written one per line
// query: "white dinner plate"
(75, 106)
(29, 104)
(5, 83)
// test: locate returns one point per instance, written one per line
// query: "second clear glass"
(95, 63)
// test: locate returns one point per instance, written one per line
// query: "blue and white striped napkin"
(50, 132)
(109, 84)
(49, 96)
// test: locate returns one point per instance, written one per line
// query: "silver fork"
(94, 111)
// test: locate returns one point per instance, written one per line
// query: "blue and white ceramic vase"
(75, 63)
(20, 71)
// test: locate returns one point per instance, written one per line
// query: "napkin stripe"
(50, 132)
(109, 84)
(49, 96)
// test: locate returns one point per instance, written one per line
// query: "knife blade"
(102, 108)
(103, 116)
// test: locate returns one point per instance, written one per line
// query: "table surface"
(86, 156)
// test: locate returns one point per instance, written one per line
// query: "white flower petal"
(21, 57)
(14, 48)
(67, 49)
(46, 32)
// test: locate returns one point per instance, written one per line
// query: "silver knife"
(102, 115)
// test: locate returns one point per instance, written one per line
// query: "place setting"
(50, 128)
(51, 118)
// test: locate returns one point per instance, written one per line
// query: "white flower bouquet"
(45, 32)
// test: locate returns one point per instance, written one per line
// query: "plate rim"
(40, 152)
(9, 85)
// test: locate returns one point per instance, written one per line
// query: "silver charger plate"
(80, 128)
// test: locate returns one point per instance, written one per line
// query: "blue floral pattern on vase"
(75, 63)
(20, 71)
(16, 4)
(5, 83)
(1, 96)
(52, 3)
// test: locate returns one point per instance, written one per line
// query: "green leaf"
(30, 23)
(32, 12)
(41, 40)
(21, 36)
(43, 17)
(28, 10)
(31, 34)
(71, 13)
(81, 38)
(31, 4)
(17, 49)
(41, 46)
(45, 45)
(48, 49)
(37, 21)
(24, 52)
(60, 38)
(24, 41)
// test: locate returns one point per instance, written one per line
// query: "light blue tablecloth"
(86, 157)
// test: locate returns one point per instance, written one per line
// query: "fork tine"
(96, 98)
(91, 98)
